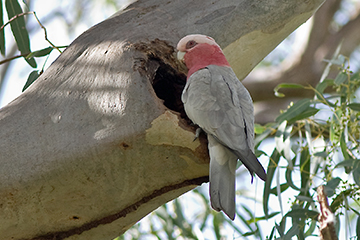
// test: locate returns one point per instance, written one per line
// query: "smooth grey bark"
(89, 149)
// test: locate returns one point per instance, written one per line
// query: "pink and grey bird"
(219, 104)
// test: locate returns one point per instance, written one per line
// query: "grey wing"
(220, 105)
(217, 101)
(198, 102)
(236, 128)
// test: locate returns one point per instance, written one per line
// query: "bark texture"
(100, 139)
(326, 217)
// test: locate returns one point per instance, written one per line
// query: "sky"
(58, 34)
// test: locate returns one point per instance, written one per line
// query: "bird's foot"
(197, 133)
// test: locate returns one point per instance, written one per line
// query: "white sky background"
(58, 34)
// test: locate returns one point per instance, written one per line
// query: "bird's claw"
(197, 133)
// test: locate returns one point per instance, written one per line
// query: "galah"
(220, 105)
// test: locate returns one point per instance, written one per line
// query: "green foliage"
(318, 139)
(19, 30)
(2, 33)
(32, 77)
(16, 20)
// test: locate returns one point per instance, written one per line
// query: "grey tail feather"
(252, 164)
(222, 177)
(222, 188)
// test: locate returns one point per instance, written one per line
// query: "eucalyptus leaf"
(320, 87)
(356, 175)
(2, 32)
(283, 187)
(31, 78)
(344, 147)
(18, 27)
(279, 137)
(286, 85)
(354, 106)
(348, 163)
(304, 198)
(293, 231)
(341, 78)
(274, 159)
(40, 53)
(288, 177)
(358, 227)
(302, 213)
(331, 186)
(305, 168)
(310, 111)
(295, 110)
(262, 218)
(334, 60)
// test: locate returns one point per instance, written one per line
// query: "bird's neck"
(204, 55)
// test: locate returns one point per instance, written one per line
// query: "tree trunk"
(100, 139)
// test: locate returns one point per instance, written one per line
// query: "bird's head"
(199, 51)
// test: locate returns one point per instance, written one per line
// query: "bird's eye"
(190, 44)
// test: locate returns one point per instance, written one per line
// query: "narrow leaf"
(19, 30)
(310, 111)
(40, 53)
(330, 62)
(340, 78)
(348, 163)
(32, 77)
(322, 154)
(294, 110)
(302, 213)
(304, 198)
(271, 234)
(356, 175)
(305, 168)
(262, 218)
(244, 220)
(311, 229)
(279, 137)
(288, 177)
(2, 32)
(320, 87)
(274, 159)
(339, 199)
(354, 106)
(358, 227)
(331, 186)
(343, 147)
(285, 85)
(287, 144)
(294, 230)
(269, 130)
(280, 230)
(334, 136)
(283, 187)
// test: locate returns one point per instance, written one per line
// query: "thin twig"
(40, 24)
(13, 18)
(12, 58)
(45, 33)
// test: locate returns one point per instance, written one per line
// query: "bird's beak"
(180, 55)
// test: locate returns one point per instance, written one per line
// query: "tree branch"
(92, 136)
(326, 217)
